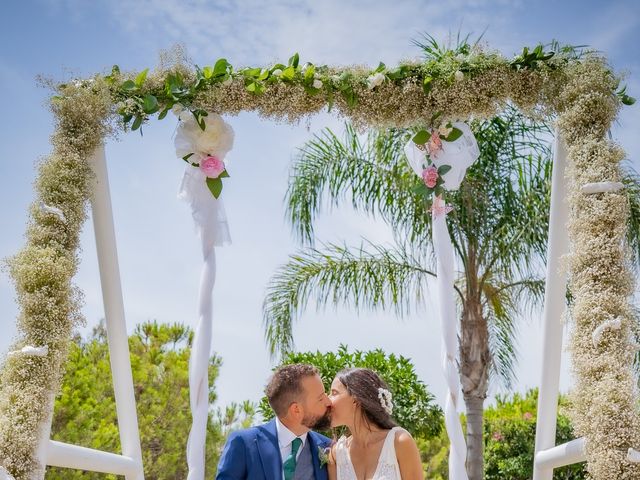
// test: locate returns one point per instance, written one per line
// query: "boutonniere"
(324, 455)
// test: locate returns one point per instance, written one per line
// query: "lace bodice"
(387, 468)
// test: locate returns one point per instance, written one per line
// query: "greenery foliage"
(85, 412)
(414, 405)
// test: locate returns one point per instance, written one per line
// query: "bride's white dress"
(387, 468)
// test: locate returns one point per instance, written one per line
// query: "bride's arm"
(408, 457)
(332, 468)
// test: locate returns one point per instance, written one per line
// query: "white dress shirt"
(285, 437)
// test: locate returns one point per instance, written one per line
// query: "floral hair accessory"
(385, 400)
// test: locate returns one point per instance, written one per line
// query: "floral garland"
(582, 91)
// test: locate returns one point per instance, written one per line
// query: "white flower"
(444, 130)
(177, 109)
(374, 80)
(386, 400)
(216, 139)
(459, 76)
(317, 83)
(460, 57)
(277, 72)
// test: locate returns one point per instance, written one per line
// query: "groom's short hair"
(285, 386)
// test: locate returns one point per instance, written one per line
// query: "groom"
(285, 448)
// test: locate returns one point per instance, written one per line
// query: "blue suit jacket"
(254, 454)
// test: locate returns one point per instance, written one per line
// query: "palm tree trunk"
(474, 375)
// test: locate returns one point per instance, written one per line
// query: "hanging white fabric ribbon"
(213, 229)
(459, 155)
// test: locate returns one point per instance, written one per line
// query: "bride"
(376, 448)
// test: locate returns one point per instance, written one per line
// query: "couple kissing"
(288, 448)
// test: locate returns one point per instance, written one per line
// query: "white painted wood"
(554, 307)
(561, 455)
(72, 456)
(114, 314)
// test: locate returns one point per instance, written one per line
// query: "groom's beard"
(315, 422)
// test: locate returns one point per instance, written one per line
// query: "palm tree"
(498, 229)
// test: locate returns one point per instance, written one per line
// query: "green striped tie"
(289, 465)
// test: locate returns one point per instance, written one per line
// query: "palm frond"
(631, 181)
(364, 279)
(372, 173)
(504, 304)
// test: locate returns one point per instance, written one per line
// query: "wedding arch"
(587, 244)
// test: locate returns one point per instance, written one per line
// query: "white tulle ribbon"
(459, 155)
(213, 229)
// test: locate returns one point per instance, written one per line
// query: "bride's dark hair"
(363, 385)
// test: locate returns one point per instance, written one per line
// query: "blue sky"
(158, 250)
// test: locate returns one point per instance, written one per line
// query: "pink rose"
(527, 416)
(212, 166)
(497, 436)
(435, 144)
(430, 176)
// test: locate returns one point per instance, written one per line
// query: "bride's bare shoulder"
(408, 455)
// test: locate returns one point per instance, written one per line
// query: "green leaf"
(310, 72)
(129, 85)
(255, 87)
(294, 60)
(288, 73)
(163, 113)
(224, 174)
(220, 68)
(438, 190)
(150, 104)
(443, 169)
(187, 157)
(215, 186)
(627, 100)
(381, 67)
(264, 74)
(422, 190)
(421, 137)
(455, 134)
(427, 84)
(207, 72)
(137, 123)
(251, 72)
(142, 76)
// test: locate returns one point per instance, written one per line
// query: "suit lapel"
(269, 450)
(320, 472)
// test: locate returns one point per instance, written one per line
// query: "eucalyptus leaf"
(294, 60)
(421, 137)
(310, 72)
(207, 72)
(443, 169)
(142, 76)
(220, 68)
(455, 134)
(129, 85)
(215, 186)
(288, 73)
(137, 123)
(150, 104)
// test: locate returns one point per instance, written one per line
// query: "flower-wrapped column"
(601, 282)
